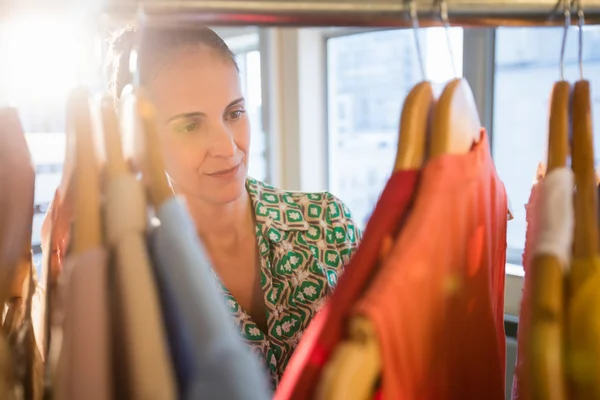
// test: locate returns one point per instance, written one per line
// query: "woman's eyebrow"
(201, 114)
(186, 115)
(235, 102)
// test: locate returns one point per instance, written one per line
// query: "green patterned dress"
(304, 240)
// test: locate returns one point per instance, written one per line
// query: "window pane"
(36, 74)
(258, 157)
(369, 74)
(526, 68)
(248, 58)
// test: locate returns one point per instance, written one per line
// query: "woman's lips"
(225, 173)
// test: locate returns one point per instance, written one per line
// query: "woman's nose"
(222, 143)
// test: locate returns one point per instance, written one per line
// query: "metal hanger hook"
(443, 5)
(580, 23)
(567, 14)
(414, 18)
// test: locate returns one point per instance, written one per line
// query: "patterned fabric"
(304, 240)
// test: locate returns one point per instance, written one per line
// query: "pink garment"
(85, 365)
(518, 388)
(438, 302)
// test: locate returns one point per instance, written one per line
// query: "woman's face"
(204, 127)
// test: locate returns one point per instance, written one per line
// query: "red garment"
(327, 328)
(437, 303)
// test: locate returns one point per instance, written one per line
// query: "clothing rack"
(376, 13)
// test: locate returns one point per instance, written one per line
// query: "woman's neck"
(222, 225)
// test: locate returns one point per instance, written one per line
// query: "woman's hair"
(156, 47)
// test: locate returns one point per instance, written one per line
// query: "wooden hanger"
(414, 123)
(17, 185)
(586, 196)
(139, 124)
(558, 134)
(354, 368)
(585, 240)
(64, 188)
(545, 372)
(115, 162)
(456, 124)
(87, 231)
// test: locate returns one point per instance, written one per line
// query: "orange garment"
(438, 303)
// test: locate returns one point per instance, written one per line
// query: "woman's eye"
(189, 128)
(236, 114)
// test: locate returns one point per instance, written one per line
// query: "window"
(36, 77)
(369, 74)
(249, 63)
(526, 67)
(244, 43)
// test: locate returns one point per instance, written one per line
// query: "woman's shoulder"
(321, 206)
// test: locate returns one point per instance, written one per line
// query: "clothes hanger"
(582, 160)
(17, 185)
(354, 368)
(139, 125)
(87, 231)
(545, 369)
(456, 124)
(584, 277)
(416, 112)
(154, 166)
(115, 162)
(144, 143)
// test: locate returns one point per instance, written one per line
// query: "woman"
(276, 254)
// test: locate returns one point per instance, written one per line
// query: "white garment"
(556, 216)
(531, 217)
(140, 329)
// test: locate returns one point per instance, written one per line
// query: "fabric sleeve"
(346, 234)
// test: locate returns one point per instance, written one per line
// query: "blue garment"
(210, 358)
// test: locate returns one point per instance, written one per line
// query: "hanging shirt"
(18, 327)
(327, 329)
(145, 369)
(304, 240)
(519, 388)
(543, 375)
(84, 369)
(210, 359)
(583, 333)
(437, 304)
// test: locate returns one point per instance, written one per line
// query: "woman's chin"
(228, 192)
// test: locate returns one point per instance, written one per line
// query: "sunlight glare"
(43, 56)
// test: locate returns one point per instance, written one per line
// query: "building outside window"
(369, 75)
(250, 71)
(526, 67)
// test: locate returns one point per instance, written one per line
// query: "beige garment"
(18, 327)
(146, 367)
(85, 358)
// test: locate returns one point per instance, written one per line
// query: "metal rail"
(377, 13)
